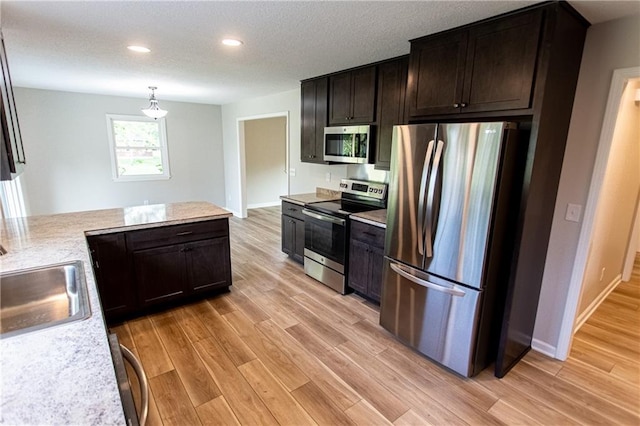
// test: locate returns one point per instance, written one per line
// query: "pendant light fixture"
(154, 110)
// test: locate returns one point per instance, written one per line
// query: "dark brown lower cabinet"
(171, 272)
(208, 264)
(366, 255)
(293, 231)
(159, 274)
(111, 268)
(139, 269)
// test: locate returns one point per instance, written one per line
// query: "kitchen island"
(64, 374)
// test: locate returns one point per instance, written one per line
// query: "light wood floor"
(282, 349)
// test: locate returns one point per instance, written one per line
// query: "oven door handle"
(324, 218)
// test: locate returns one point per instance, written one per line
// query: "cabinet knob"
(456, 105)
(463, 105)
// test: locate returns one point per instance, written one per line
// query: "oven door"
(325, 237)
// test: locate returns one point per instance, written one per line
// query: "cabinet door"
(288, 235)
(111, 269)
(363, 95)
(207, 264)
(392, 77)
(159, 274)
(293, 238)
(501, 61)
(436, 74)
(298, 252)
(352, 97)
(376, 261)
(314, 119)
(359, 266)
(340, 99)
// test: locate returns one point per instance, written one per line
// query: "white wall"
(307, 176)
(68, 160)
(614, 218)
(609, 46)
(265, 143)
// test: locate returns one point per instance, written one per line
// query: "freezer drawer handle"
(402, 272)
(324, 218)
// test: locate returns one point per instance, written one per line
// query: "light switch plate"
(292, 172)
(573, 212)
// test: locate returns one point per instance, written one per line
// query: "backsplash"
(367, 172)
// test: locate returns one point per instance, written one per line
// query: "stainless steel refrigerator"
(448, 220)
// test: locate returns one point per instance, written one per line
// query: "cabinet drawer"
(293, 210)
(177, 234)
(369, 234)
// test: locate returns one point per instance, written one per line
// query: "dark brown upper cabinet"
(352, 97)
(12, 158)
(485, 67)
(314, 119)
(392, 84)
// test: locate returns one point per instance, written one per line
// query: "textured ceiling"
(81, 46)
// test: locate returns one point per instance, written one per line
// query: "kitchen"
(231, 128)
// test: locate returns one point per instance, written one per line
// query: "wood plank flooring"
(280, 348)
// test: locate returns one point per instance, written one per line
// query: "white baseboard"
(543, 347)
(260, 205)
(235, 213)
(584, 316)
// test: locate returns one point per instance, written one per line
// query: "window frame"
(164, 150)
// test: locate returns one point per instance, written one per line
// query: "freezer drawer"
(434, 316)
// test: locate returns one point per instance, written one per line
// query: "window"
(138, 148)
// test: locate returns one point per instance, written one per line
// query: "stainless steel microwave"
(347, 144)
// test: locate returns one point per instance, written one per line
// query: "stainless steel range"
(326, 230)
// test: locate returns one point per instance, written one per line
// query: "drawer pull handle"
(369, 234)
(180, 234)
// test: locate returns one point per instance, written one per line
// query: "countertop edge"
(159, 224)
(368, 221)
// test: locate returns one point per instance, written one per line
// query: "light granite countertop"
(319, 196)
(64, 374)
(374, 217)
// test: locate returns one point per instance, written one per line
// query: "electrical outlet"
(328, 177)
(145, 202)
(602, 274)
(573, 212)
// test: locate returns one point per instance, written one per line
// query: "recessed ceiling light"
(140, 49)
(232, 42)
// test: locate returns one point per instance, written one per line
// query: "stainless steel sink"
(37, 298)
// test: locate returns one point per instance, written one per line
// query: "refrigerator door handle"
(402, 271)
(423, 190)
(428, 223)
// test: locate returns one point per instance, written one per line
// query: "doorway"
(264, 159)
(590, 282)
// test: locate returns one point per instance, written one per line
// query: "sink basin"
(38, 298)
